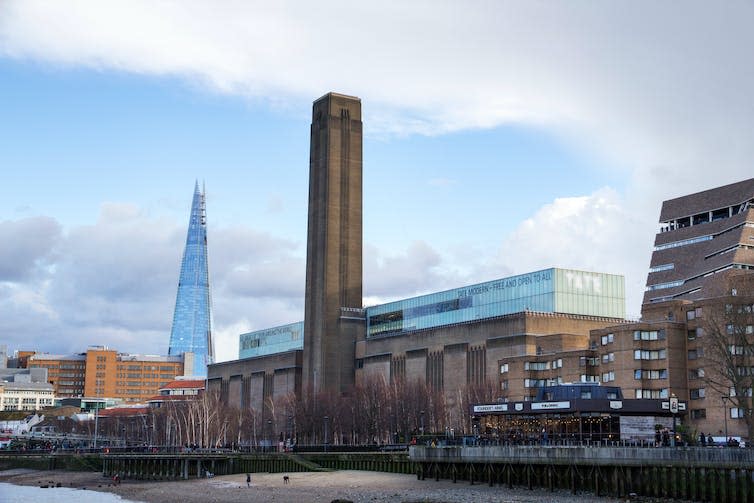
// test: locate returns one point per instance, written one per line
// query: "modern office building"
(192, 318)
(102, 372)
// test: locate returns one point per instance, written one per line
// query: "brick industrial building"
(521, 333)
(450, 339)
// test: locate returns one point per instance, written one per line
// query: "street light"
(725, 415)
(96, 423)
(269, 438)
(421, 423)
(327, 421)
(673, 412)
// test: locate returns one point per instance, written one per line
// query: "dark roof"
(712, 199)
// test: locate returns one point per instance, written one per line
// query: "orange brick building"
(103, 372)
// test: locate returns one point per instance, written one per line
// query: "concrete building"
(105, 373)
(25, 395)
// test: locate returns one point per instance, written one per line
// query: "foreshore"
(314, 487)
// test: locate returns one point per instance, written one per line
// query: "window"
(739, 350)
(504, 385)
(535, 383)
(584, 360)
(586, 394)
(696, 394)
(693, 354)
(737, 413)
(650, 374)
(649, 335)
(684, 242)
(608, 376)
(690, 315)
(589, 378)
(698, 312)
(698, 413)
(503, 368)
(652, 393)
(662, 267)
(557, 364)
(607, 339)
(696, 374)
(644, 354)
(609, 357)
(536, 365)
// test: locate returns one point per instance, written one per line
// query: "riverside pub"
(577, 414)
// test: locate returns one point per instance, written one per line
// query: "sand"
(315, 487)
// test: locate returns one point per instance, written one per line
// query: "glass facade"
(549, 290)
(192, 319)
(271, 340)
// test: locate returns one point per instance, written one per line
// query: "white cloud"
(659, 92)
(114, 283)
(593, 233)
(27, 247)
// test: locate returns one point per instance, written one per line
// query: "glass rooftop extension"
(550, 291)
(271, 340)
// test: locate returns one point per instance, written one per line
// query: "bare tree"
(728, 347)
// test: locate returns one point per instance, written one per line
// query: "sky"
(500, 137)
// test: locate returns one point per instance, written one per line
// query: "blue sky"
(500, 138)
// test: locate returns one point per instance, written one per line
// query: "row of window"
(662, 267)
(649, 335)
(734, 412)
(646, 354)
(683, 242)
(650, 374)
(664, 286)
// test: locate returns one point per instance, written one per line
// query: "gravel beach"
(315, 487)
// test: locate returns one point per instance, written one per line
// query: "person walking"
(248, 480)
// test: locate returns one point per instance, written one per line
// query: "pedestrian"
(703, 440)
(248, 480)
(710, 440)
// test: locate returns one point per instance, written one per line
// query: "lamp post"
(123, 430)
(673, 412)
(269, 433)
(290, 431)
(725, 398)
(327, 423)
(421, 423)
(96, 423)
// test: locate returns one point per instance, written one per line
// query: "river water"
(12, 494)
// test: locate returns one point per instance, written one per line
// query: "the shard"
(192, 319)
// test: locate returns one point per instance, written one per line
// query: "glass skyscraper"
(192, 319)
